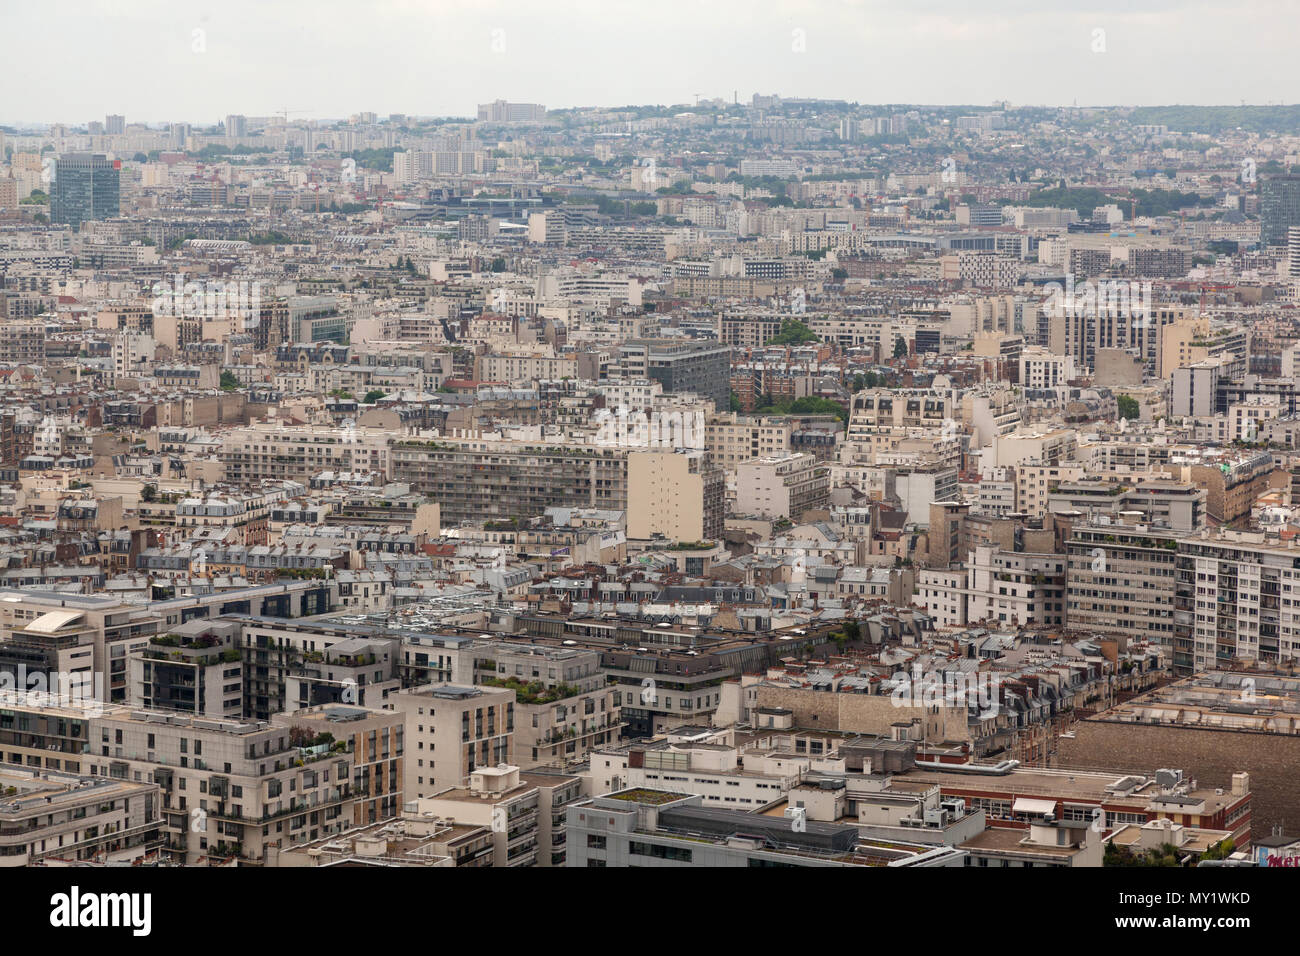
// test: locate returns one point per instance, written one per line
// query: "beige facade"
(451, 731)
(678, 496)
(731, 439)
(784, 487)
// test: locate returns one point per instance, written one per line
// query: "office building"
(86, 187)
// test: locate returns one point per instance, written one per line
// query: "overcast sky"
(81, 59)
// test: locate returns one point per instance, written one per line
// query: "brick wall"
(863, 713)
(1209, 756)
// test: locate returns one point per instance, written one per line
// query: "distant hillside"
(1216, 119)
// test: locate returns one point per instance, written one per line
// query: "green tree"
(229, 382)
(373, 396)
(1128, 406)
(793, 332)
(900, 348)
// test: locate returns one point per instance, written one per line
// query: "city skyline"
(850, 443)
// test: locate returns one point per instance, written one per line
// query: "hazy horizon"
(156, 61)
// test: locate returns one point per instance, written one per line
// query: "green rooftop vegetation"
(532, 692)
(652, 797)
(690, 546)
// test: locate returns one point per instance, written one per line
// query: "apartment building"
(451, 731)
(1175, 505)
(83, 639)
(1016, 587)
(784, 487)
(564, 708)
(475, 480)
(699, 367)
(49, 818)
(1122, 579)
(877, 409)
(502, 799)
(1238, 600)
(197, 669)
(228, 788)
(1039, 368)
(677, 496)
(731, 438)
(23, 342)
(1116, 317)
(1192, 340)
(278, 452)
(375, 741)
(648, 827)
(1035, 483)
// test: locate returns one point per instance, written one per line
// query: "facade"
(226, 789)
(564, 707)
(1122, 580)
(1234, 601)
(656, 828)
(60, 819)
(785, 487)
(700, 368)
(451, 731)
(1279, 208)
(86, 186)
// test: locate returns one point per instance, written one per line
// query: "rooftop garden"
(185, 640)
(300, 736)
(532, 692)
(640, 795)
(691, 546)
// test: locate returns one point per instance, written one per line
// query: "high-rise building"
(114, 125)
(86, 186)
(1293, 252)
(1228, 606)
(236, 125)
(700, 367)
(1279, 208)
(499, 111)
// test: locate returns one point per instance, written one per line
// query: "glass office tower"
(86, 186)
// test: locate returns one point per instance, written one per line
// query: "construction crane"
(284, 113)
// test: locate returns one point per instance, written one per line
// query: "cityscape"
(750, 480)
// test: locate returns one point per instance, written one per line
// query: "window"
(659, 852)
